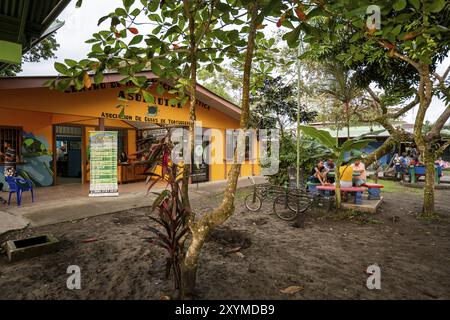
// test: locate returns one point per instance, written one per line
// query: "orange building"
(49, 129)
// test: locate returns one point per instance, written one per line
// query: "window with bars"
(231, 144)
(14, 137)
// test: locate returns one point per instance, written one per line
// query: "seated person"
(403, 162)
(318, 173)
(416, 162)
(123, 157)
(1, 189)
(359, 166)
(346, 175)
(329, 166)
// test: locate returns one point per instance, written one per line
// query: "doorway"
(68, 154)
(200, 158)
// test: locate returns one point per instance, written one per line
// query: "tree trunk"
(347, 111)
(337, 179)
(425, 95)
(428, 197)
(200, 229)
(192, 102)
(384, 149)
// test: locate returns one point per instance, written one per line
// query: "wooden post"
(101, 124)
(54, 155)
(413, 174)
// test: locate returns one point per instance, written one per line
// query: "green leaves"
(415, 4)
(153, 5)
(149, 98)
(136, 39)
(127, 4)
(156, 68)
(352, 144)
(71, 63)
(399, 5)
(61, 68)
(292, 36)
(436, 6)
(323, 136)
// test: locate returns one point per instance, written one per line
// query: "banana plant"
(338, 152)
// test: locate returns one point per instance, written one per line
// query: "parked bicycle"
(287, 204)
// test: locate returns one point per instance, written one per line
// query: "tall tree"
(343, 87)
(412, 34)
(275, 106)
(185, 34)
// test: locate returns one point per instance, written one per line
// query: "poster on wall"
(103, 164)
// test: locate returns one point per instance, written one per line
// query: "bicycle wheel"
(303, 202)
(253, 202)
(285, 207)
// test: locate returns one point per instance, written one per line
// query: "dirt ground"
(327, 258)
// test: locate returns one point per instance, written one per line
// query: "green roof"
(26, 22)
(356, 131)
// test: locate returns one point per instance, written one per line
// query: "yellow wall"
(103, 103)
(37, 123)
(85, 107)
(131, 141)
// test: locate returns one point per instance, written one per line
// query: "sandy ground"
(327, 258)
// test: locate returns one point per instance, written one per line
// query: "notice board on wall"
(103, 164)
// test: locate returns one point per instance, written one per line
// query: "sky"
(81, 23)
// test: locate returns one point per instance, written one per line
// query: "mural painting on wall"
(36, 162)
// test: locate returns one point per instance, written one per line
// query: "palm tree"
(341, 84)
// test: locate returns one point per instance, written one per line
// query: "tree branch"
(435, 132)
(405, 109)
(377, 100)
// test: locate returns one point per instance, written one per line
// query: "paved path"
(69, 206)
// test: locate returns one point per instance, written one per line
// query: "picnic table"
(373, 189)
(417, 171)
(332, 173)
(357, 190)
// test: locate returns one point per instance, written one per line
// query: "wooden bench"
(374, 190)
(357, 190)
(312, 187)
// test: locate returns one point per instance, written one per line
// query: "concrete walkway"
(62, 204)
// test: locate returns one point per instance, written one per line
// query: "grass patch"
(356, 216)
(393, 186)
(429, 218)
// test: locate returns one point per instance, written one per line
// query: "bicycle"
(253, 201)
(291, 203)
(287, 204)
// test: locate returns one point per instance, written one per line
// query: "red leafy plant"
(167, 210)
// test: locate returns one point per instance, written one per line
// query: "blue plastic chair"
(18, 185)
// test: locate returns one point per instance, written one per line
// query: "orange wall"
(85, 107)
(98, 103)
(38, 123)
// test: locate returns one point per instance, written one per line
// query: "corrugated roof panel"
(40, 15)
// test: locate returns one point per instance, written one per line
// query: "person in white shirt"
(361, 168)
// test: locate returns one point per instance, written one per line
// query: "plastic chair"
(18, 185)
(3, 201)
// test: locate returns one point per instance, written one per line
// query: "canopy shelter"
(23, 24)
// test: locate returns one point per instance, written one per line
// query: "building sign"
(161, 101)
(103, 164)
